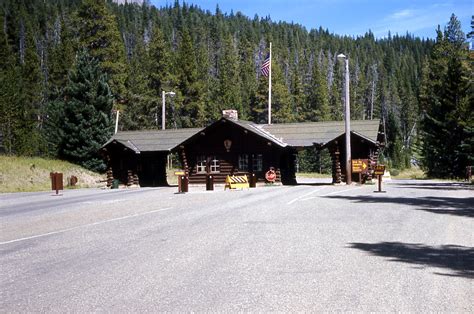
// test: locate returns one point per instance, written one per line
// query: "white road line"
(303, 196)
(82, 226)
(335, 192)
(309, 198)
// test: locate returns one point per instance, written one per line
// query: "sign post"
(379, 172)
(182, 181)
(360, 166)
(56, 181)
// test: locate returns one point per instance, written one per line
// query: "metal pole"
(270, 88)
(348, 126)
(163, 113)
(116, 121)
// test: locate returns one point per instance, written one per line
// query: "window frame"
(257, 162)
(214, 164)
(201, 164)
(244, 162)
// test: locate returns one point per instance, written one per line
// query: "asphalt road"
(299, 248)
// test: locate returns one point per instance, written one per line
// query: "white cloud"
(413, 20)
(403, 14)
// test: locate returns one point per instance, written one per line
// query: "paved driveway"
(300, 248)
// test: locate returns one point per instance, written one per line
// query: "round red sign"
(270, 176)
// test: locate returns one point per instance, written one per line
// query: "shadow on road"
(458, 259)
(313, 184)
(435, 186)
(437, 205)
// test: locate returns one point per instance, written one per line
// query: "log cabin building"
(231, 146)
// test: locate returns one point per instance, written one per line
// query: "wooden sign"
(360, 165)
(56, 181)
(379, 170)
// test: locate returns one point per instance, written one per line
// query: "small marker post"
(379, 172)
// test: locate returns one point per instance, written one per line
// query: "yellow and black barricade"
(236, 182)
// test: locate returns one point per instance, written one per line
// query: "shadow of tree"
(438, 205)
(458, 259)
(313, 184)
(434, 185)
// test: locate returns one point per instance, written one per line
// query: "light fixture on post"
(347, 118)
(227, 145)
(163, 110)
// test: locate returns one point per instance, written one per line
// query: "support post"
(348, 126)
(163, 110)
(380, 184)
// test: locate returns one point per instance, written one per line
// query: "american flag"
(265, 68)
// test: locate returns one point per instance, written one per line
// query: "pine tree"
(318, 100)
(228, 78)
(159, 62)
(281, 99)
(99, 34)
(259, 102)
(10, 100)
(141, 111)
(86, 122)
(190, 97)
(28, 139)
(60, 57)
(447, 103)
(336, 94)
(297, 94)
(248, 77)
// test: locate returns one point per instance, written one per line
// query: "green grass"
(411, 173)
(30, 174)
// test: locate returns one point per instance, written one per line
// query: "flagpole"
(270, 88)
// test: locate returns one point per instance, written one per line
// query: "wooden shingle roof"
(303, 134)
(306, 134)
(152, 140)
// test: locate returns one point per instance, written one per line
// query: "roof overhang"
(324, 145)
(243, 125)
(126, 143)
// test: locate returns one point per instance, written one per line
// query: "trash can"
(209, 183)
(253, 180)
(183, 182)
(115, 184)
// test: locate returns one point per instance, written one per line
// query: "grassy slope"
(22, 174)
(411, 173)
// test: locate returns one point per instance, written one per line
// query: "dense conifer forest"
(68, 65)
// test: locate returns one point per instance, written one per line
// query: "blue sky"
(351, 17)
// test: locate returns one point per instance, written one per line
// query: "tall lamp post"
(347, 119)
(163, 110)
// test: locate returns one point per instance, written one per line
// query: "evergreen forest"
(68, 66)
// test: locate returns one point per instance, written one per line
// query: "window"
(257, 162)
(201, 164)
(244, 162)
(214, 164)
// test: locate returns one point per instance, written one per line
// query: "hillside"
(26, 174)
(50, 50)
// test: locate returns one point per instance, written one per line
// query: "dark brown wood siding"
(123, 163)
(211, 143)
